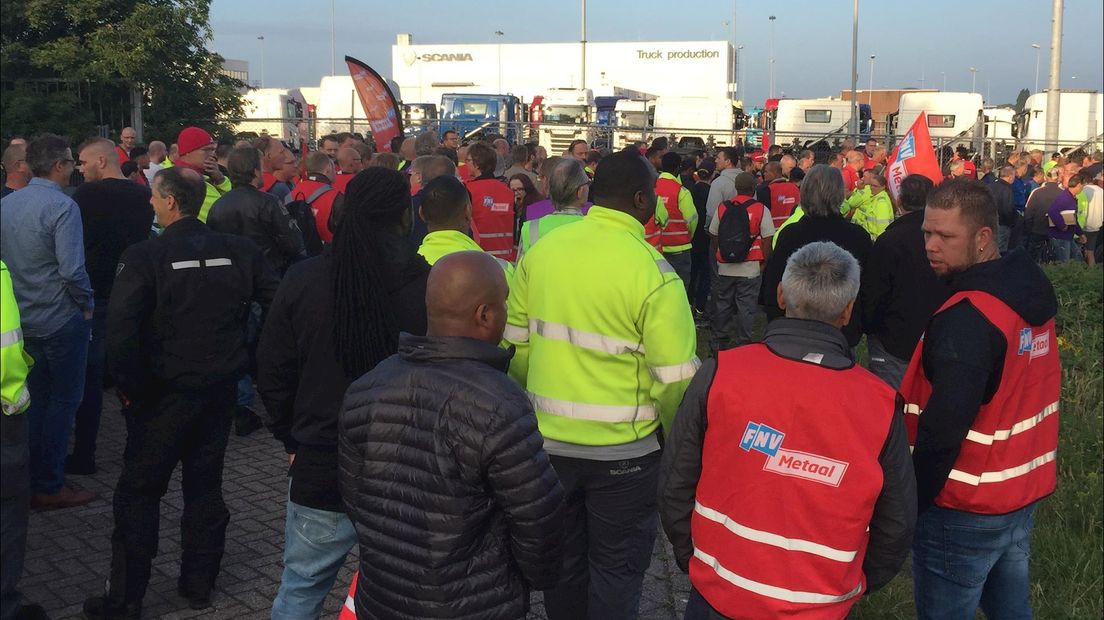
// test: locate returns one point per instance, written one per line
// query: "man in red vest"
(492, 203)
(349, 162)
(981, 395)
(786, 487)
(319, 193)
(778, 193)
(682, 216)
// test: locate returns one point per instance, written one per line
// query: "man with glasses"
(43, 246)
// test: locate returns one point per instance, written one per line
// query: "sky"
(912, 41)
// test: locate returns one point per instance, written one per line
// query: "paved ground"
(68, 551)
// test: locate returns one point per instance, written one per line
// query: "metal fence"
(556, 136)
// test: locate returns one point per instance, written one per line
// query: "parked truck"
(817, 123)
(1079, 121)
(418, 117)
(633, 120)
(474, 115)
(695, 122)
(953, 118)
(273, 111)
(565, 115)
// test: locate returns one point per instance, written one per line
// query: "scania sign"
(410, 57)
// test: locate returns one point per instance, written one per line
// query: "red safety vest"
(493, 214)
(322, 206)
(756, 212)
(342, 181)
(676, 232)
(784, 196)
(653, 234)
(789, 479)
(1007, 460)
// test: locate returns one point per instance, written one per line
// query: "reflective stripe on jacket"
(15, 363)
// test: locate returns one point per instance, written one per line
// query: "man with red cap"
(196, 151)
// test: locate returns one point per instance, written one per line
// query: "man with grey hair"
(425, 143)
(1036, 221)
(521, 162)
(42, 243)
(568, 188)
(502, 155)
(17, 172)
(822, 194)
(786, 415)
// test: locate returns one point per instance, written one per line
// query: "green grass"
(1067, 563)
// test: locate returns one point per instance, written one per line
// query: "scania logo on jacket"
(813, 467)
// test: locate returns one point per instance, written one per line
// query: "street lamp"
(498, 37)
(261, 39)
(944, 74)
(973, 79)
(771, 18)
(870, 91)
(736, 73)
(1037, 50)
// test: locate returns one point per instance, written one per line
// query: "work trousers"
(15, 497)
(191, 428)
(610, 523)
(87, 427)
(680, 262)
(700, 277)
(735, 305)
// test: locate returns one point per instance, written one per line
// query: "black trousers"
(15, 497)
(610, 523)
(191, 428)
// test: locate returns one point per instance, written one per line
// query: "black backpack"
(302, 218)
(734, 239)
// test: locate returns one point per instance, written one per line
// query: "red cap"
(192, 138)
(755, 156)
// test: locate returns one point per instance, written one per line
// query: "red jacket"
(1007, 460)
(493, 215)
(789, 479)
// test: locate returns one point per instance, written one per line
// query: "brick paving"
(68, 551)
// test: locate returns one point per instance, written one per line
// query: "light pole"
(973, 79)
(854, 127)
(870, 91)
(1038, 48)
(944, 74)
(771, 18)
(736, 73)
(261, 39)
(333, 48)
(498, 37)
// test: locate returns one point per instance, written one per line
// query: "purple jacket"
(1064, 202)
(539, 209)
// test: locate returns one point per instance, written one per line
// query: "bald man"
(349, 162)
(115, 214)
(15, 165)
(158, 152)
(127, 139)
(440, 426)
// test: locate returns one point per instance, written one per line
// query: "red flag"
(914, 154)
(379, 103)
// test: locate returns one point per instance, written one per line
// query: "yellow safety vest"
(533, 230)
(15, 363)
(444, 242)
(604, 335)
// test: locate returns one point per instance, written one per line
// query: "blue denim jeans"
(1065, 250)
(88, 415)
(962, 560)
(56, 383)
(315, 545)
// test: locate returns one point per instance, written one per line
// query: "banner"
(379, 103)
(914, 154)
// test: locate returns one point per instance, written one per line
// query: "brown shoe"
(65, 498)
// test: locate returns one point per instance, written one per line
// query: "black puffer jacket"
(248, 212)
(443, 471)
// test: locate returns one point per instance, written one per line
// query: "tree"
(1021, 99)
(71, 67)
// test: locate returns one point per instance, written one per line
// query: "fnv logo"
(907, 150)
(793, 463)
(762, 438)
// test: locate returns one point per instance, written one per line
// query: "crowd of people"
(482, 362)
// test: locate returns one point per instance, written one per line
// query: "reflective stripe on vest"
(21, 401)
(1008, 458)
(348, 610)
(11, 337)
(675, 232)
(590, 411)
(783, 503)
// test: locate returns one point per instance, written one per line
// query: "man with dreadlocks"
(334, 317)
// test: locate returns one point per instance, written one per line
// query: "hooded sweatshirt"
(963, 357)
